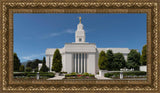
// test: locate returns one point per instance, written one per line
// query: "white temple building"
(80, 56)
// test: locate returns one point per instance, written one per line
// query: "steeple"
(79, 19)
(80, 33)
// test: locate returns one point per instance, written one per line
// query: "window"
(80, 39)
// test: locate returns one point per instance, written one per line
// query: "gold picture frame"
(9, 7)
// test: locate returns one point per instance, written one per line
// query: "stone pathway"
(56, 78)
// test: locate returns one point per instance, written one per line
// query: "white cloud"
(70, 31)
(34, 56)
(54, 34)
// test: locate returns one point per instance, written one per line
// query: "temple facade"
(80, 56)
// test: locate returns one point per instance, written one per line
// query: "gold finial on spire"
(79, 19)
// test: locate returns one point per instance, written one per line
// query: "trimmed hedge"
(137, 73)
(76, 74)
(133, 73)
(34, 74)
(31, 74)
(63, 72)
(47, 74)
(20, 74)
(116, 74)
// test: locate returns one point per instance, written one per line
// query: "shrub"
(67, 75)
(116, 74)
(63, 72)
(86, 74)
(108, 74)
(91, 75)
(73, 73)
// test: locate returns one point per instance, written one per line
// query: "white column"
(50, 65)
(75, 62)
(81, 63)
(84, 62)
(78, 62)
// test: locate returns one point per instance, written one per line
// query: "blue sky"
(34, 33)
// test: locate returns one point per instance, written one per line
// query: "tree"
(102, 62)
(133, 59)
(16, 62)
(28, 69)
(118, 61)
(143, 58)
(21, 68)
(33, 63)
(110, 57)
(57, 61)
(29, 64)
(44, 68)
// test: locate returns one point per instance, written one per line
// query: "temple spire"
(80, 33)
(80, 20)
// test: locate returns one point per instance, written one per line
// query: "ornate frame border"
(8, 8)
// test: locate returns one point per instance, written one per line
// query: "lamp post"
(121, 73)
(37, 75)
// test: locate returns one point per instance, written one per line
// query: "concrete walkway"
(56, 78)
(61, 77)
(101, 77)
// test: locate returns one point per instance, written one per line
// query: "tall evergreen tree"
(57, 61)
(133, 60)
(102, 62)
(44, 68)
(17, 63)
(110, 57)
(118, 61)
(143, 58)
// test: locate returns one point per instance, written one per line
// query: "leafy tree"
(57, 61)
(33, 63)
(21, 68)
(29, 64)
(16, 62)
(102, 62)
(133, 60)
(28, 69)
(143, 58)
(44, 68)
(118, 61)
(110, 57)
